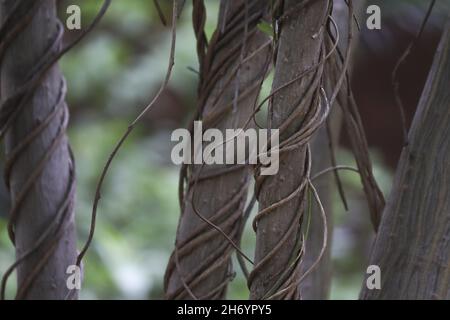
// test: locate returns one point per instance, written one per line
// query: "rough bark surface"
(278, 232)
(42, 275)
(214, 191)
(317, 285)
(412, 247)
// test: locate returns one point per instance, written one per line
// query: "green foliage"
(266, 28)
(110, 75)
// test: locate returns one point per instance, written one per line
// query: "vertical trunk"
(318, 283)
(281, 197)
(227, 95)
(39, 168)
(412, 247)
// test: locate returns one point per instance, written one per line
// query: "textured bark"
(40, 276)
(204, 253)
(412, 247)
(317, 285)
(299, 48)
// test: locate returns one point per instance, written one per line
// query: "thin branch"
(394, 77)
(127, 133)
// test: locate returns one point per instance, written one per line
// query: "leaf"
(266, 28)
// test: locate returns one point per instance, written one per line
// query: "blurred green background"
(111, 75)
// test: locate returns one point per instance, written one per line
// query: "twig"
(127, 133)
(394, 77)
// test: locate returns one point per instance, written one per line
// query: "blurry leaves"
(137, 219)
(7, 257)
(266, 28)
(90, 68)
(110, 75)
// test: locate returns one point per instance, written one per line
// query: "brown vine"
(13, 106)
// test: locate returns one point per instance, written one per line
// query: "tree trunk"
(412, 247)
(278, 236)
(227, 95)
(317, 285)
(39, 167)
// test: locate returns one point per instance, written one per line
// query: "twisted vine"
(12, 110)
(200, 266)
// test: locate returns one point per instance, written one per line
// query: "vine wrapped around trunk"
(232, 67)
(39, 168)
(297, 108)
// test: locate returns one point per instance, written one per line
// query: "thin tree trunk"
(278, 236)
(317, 285)
(412, 247)
(227, 95)
(39, 169)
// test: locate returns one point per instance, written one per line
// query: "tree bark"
(39, 169)
(412, 247)
(317, 285)
(227, 95)
(278, 235)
